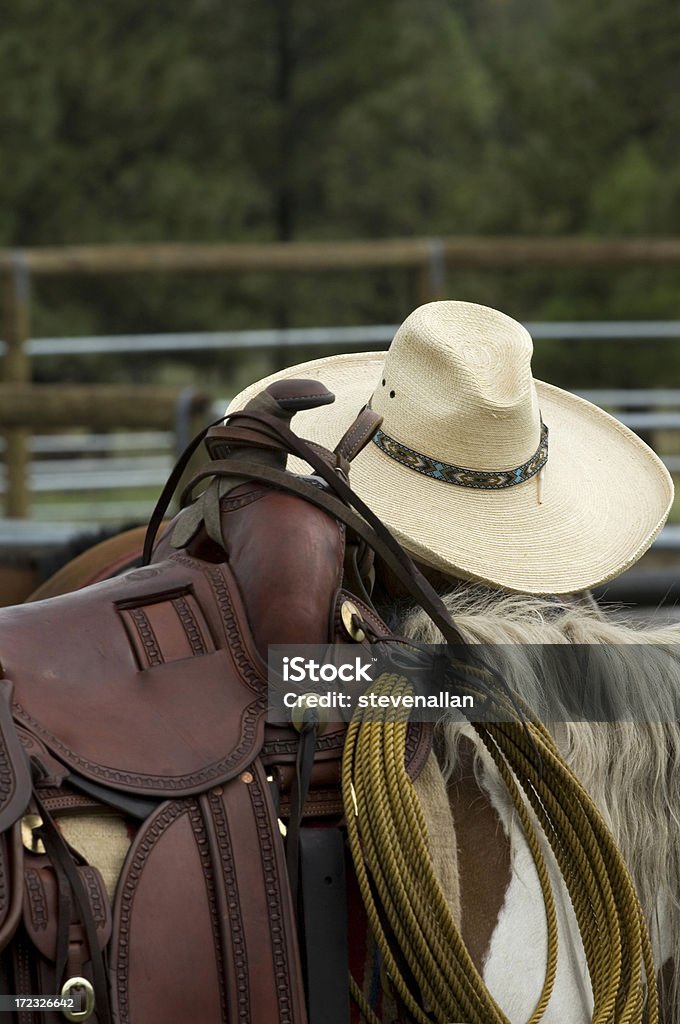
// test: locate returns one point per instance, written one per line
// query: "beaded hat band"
(481, 480)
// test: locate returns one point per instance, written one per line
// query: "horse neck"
(630, 768)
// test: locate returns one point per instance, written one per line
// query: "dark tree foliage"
(248, 120)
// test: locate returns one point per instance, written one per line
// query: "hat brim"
(605, 497)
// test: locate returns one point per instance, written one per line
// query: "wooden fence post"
(16, 370)
(431, 275)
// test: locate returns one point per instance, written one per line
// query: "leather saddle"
(148, 694)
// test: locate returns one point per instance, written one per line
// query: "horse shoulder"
(502, 908)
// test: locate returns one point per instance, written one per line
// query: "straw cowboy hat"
(480, 470)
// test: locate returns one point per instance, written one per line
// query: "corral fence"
(133, 455)
(23, 406)
(132, 432)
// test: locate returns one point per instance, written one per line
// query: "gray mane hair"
(630, 768)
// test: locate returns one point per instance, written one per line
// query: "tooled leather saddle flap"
(41, 906)
(148, 683)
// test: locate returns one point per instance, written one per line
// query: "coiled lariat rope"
(431, 971)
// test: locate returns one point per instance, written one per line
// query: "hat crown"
(457, 387)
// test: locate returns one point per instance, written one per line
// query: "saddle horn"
(231, 441)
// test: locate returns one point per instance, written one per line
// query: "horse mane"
(630, 768)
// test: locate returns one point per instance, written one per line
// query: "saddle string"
(304, 764)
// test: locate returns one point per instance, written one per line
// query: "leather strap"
(272, 414)
(304, 764)
(66, 871)
(397, 559)
(169, 489)
(127, 803)
(359, 434)
(324, 925)
(281, 400)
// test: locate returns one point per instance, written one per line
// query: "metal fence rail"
(68, 475)
(378, 335)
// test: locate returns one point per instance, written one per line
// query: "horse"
(477, 847)
(631, 768)
(87, 558)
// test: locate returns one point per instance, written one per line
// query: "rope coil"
(424, 954)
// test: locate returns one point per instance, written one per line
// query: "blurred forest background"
(258, 120)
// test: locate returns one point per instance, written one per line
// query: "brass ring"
(348, 613)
